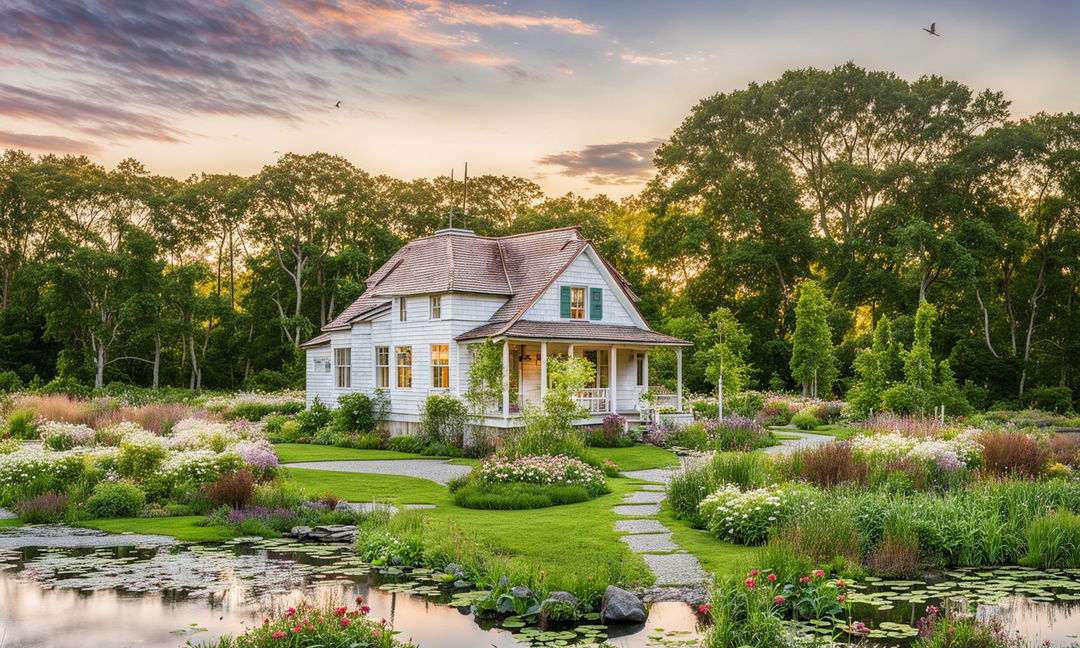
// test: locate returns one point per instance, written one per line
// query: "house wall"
(586, 271)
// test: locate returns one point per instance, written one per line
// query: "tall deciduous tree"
(813, 362)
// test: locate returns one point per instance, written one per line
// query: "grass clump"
(115, 500)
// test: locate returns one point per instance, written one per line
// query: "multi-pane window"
(382, 367)
(404, 367)
(436, 307)
(440, 366)
(403, 314)
(577, 302)
(343, 367)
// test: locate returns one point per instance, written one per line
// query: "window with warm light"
(440, 366)
(577, 302)
(404, 367)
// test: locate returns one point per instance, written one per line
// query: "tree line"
(885, 192)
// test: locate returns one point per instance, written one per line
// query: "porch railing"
(594, 400)
(666, 401)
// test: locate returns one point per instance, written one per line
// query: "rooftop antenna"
(465, 195)
(451, 199)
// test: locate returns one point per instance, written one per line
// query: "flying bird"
(933, 29)
(338, 104)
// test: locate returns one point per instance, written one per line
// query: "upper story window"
(403, 313)
(382, 367)
(579, 302)
(440, 366)
(404, 367)
(436, 307)
(343, 367)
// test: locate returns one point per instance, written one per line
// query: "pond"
(163, 597)
(1039, 605)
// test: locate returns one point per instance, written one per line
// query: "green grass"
(183, 528)
(718, 557)
(295, 452)
(11, 522)
(363, 487)
(638, 457)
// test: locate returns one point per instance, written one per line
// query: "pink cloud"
(637, 59)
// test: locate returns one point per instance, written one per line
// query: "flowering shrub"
(260, 453)
(306, 625)
(200, 433)
(881, 448)
(543, 470)
(735, 433)
(745, 517)
(65, 436)
(37, 469)
(254, 406)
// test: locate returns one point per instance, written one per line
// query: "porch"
(620, 381)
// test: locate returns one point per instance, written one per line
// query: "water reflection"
(161, 599)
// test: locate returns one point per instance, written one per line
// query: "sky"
(575, 95)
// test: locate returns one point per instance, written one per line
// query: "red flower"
(754, 572)
(778, 599)
(359, 599)
(771, 577)
(290, 612)
(339, 611)
(952, 630)
(298, 629)
(841, 598)
(382, 621)
(704, 608)
(266, 621)
(804, 579)
(750, 582)
(818, 572)
(841, 583)
(320, 619)
(364, 609)
(278, 635)
(345, 622)
(311, 627)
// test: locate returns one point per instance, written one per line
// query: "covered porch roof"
(571, 331)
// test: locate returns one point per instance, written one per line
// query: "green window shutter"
(596, 305)
(564, 302)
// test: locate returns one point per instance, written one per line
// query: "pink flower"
(266, 621)
(359, 599)
(750, 582)
(298, 629)
(290, 612)
(952, 630)
(771, 577)
(841, 583)
(778, 599)
(345, 622)
(364, 609)
(339, 611)
(818, 572)
(841, 598)
(704, 608)
(754, 572)
(311, 627)
(804, 579)
(278, 635)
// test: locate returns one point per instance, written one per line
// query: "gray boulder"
(521, 592)
(565, 597)
(621, 607)
(455, 569)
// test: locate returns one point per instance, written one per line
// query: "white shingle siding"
(583, 271)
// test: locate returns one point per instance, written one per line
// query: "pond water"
(1039, 605)
(163, 597)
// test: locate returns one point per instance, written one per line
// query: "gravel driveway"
(439, 471)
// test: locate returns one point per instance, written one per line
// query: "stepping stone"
(370, 507)
(676, 569)
(654, 487)
(413, 507)
(643, 497)
(640, 526)
(637, 510)
(657, 475)
(650, 542)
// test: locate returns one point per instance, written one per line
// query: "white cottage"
(540, 294)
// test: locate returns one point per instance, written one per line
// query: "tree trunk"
(1036, 293)
(157, 360)
(99, 376)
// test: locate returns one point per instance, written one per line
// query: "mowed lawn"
(297, 452)
(638, 457)
(184, 528)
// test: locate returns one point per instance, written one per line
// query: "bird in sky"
(932, 31)
(338, 104)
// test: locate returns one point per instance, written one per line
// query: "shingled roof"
(519, 267)
(580, 331)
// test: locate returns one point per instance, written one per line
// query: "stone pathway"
(805, 441)
(645, 535)
(439, 471)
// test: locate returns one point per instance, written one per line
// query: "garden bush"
(775, 412)
(747, 403)
(443, 419)
(21, 424)
(612, 433)
(406, 443)
(310, 625)
(745, 616)
(354, 414)
(10, 382)
(828, 465)
(235, 489)
(517, 496)
(65, 436)
(1013, 454)
(116, 499)
(267, 380)
(46, 508)
(314, 418)
(542, 470)
(806, 420)
(140, 456)
(747, 517)
(1052, 399)
(689, 486)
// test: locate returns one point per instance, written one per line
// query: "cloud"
(564, 69)
(637, 59)
(128, 68)
(46, 143)
(621, 163)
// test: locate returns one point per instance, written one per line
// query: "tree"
(813, 362)
(873, 368)
(725, 359)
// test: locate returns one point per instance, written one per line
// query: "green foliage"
(267, 380)
(813, 362)
(353, 415)
(443, 419)
(10, 382)
(483, 391)
(744, 617)
(723, 344)
(747, 403)
(805, 420)
(139, 461)
(21, 425)
(1053, 541)
(873, 370)
(483, 495)
(314, 418)
(550, 430)
(115, 500)
(1052, 399)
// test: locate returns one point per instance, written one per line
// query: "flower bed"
(65, 436)
(745, 517)
(542, 470)
(306, 625)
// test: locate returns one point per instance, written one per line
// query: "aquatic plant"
(307, 625)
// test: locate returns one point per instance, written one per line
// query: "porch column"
(645, 371)
(506, 379)
(543, 371)
(612, 373)
(570, 351)
(678, 379)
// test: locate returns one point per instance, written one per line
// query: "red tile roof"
(581, 331)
